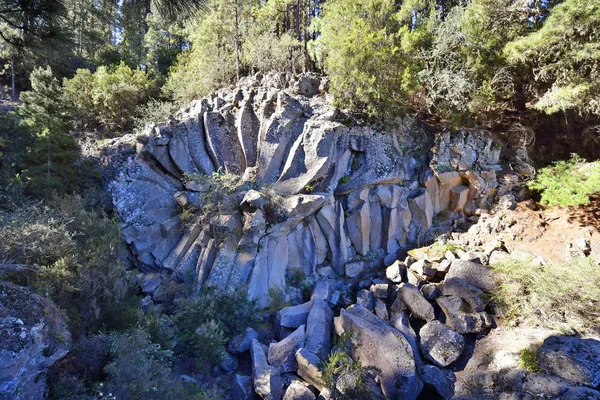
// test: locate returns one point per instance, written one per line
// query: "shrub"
(108, 97)
(567, 183)
(529, 362)
(340, 363)
(565, 296)
(154, 111)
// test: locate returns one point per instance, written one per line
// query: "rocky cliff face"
(33, 336)
(318, 193)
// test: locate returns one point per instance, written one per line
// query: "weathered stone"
(248, 129)
(571, 358)
(380, 290)
(365, 298)
(376, 343)
(396, 271)
(430, 291)
(282, 355)
(460, 318)
(381, 310)
(348, 383)
(242, 342)
(421, 209)
(308, 368)
(318, 329)
(423, 268)
(545, 385)
(354, 269)
(298, 391)
(416, 303)
(459, 287)
(294, 316)
(228, 363)
(308, 85)
(242, 388)
(267, 379)
(474, 273)
(33, 336)
(581, 393)
(441, 344)
(223, 143)
(441, 379)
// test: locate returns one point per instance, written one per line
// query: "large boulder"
(474, 273)
(377, 344)
(416, 303)
(441, 344)
(298, 391)
(318, 329)
(470, 294)
(573, 359)
(283, 354)
(309, 368)
(268, 383)
(33, 336)
(460, 318)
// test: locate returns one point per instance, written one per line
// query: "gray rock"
(441, 344)
(571, 358)
(460, 318)
(298, 391)
(416, 303)
(441, 379)
(282, 355)
(380, 290)
(267, 379)
(349, 385)
(581, 393)
(318, 329)
(33, 336)
(228, 363)
(308, 85)
(308, 368)
(365, 298)
(423, 268)
(354, 269)
(430, 291)
(242, 388)
(242, 342)
(459, 287)
(546, 385)
(396, 271)
(294, 316)
(474, 273)
(381, 310)
(375, 343)
(223, 143)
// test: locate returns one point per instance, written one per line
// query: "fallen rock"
(318, 329)
(294, 316)
(571, 358)
(441, 344)
(381, 310)
(396, 271)
(242, 388)
(460, 318)
(354, 269)
(416, 303)
(364, 297)
(298, 391)
(242, 342)
(375, 343)
(308, 368)
(282, 355)
(353, 386)
(441, 379)
(459, 287)
(267, 379)
(581, 393)
(33, 336)
(430, 291)
(474, 273)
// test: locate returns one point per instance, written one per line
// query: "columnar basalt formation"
(322, 191)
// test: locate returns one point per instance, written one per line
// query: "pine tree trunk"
(237, 41)
(13, 93)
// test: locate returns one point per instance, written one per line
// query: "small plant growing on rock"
(528, 361)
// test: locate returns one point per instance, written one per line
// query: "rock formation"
(318, 192)
(33, 336)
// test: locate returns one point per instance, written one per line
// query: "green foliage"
(562, 59)
(108, 97)
(204, 323)
(141, 370)
(154, 111)
(365, 63)
(567, 183)
(214, 190)
(53, 152)
(339, 364)
(78, 253)
(557, 296)
(529, 362)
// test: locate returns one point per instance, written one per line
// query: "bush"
(567, 183)
(340, 363)
(564, 296)
(154, 111)
(204, 323)
(142, 370)
(108, 97)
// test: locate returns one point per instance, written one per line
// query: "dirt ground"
(548, 232)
